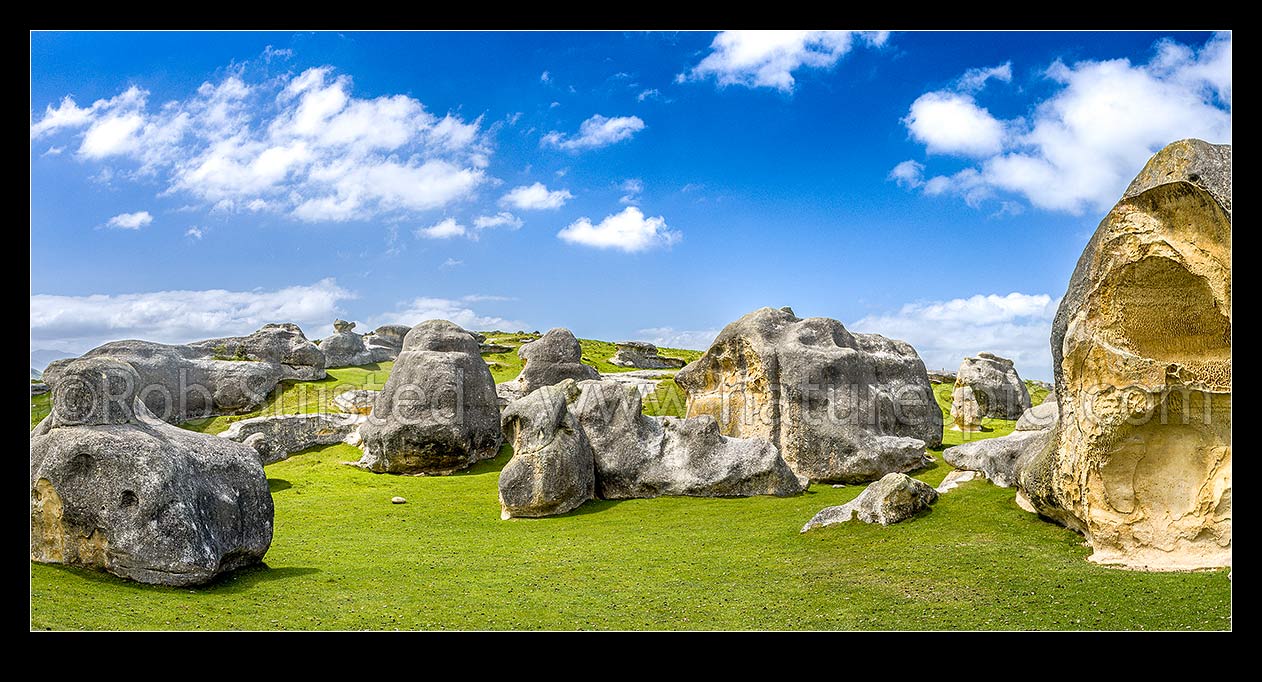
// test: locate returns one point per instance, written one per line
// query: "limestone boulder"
(386, 340)
(642, 355)
(1040, 417)
(838, 406)
(551, 359)
(1141, 346)
(965, 413)
(437, 412)
(896, 497)
(277, 437)
(178, 383)
(996, 386)
(340, 325)
(999, 459)
(216, 376)
(552, 470)
(639, 456)
(114, 488)
(281, 344)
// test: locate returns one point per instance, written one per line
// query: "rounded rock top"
(398, 500)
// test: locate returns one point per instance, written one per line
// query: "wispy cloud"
(597, 131)
(769, 58)
(535, 197)
(130, 221)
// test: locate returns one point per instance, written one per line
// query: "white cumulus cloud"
(301, 144)
(444, 229)
(194, 232)
(597, 131)
(535, 197)
(1079, 147)
(1016, 326)
(130, 221)
(628, 231)
(769, 58)
(953, 123)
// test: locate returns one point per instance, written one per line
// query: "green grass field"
(343, 557)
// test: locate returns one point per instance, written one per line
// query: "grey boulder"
(1040, 417)
(552, 469)
(838, 406)
(551, 359)
(386, 340)
(639, 456)
(998, 389)
(438, 411)
(277, 437)
(217, 376)
(999, 459)
(896, 497)
(114, 488)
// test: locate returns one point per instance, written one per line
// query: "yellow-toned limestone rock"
(1141, 460)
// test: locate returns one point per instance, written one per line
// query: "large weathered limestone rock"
(964, 410)
(642, 355)
(896, 497)
(114, 488)
(570, 435)
(640, 456)
(552, 470)
(277, 437)
(838, 406)
(1141, 344)
(550, 359)
(997, 388)
(437, 412)
(216, 376)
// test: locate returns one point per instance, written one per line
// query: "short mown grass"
(344, 557)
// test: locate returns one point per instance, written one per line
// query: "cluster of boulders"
(642, 355)
(117, 489)
(1134, 448)
(576, 441)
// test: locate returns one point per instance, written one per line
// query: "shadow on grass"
(234, 581)
(245, 578)
(278, 484)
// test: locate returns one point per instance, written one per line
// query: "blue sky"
(935, 187)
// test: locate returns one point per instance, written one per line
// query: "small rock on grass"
(398, 500)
